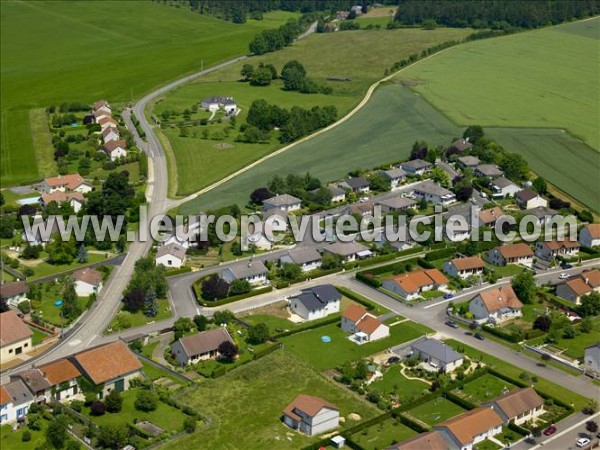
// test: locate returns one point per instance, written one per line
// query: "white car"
(563, 276)
(582, 442)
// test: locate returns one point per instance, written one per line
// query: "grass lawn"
(383, 435)
(508, 436)
(559, 392)
(147, 350)
(486, 388)
(166, 417)
(37, 337)
(138, 319)
(509, 270)
(39, 71)
(394, 382)
(52, 313)
(487, 445)
(308, 346)
(436, 411)
(10, 440)
(154, 373)
(44, 269)
(265, 388)
(575, 347)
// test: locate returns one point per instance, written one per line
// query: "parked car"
(566, 266)
(448, 295)
(563, 276)
(451, 324)
(393, 359)
(582, 442)
(550, 430)
(479, 336)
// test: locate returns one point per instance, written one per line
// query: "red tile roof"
(60, 197)
(59, 371)
(309, 405)
(11, 289)
(413, 281)
(472, 423)
(354, 312)
(594, 230)
(5, 397)
(107, 362)
(89, 276)
(69, 181)
(515, 250)
(498, 298)
(368, 324)
(470, 263)
(519, 401)
(12, 328)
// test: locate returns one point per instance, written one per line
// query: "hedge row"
(173, 272)
(356, 297)
(368, 278)
(334, 319)
(510, 337)
(464, 403)
(318, 273)
(410, 423)
(222, 370)
(518, 429)
(439, 254)
(233, 298)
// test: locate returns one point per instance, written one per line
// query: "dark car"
(479, 336)
(393, 359)
(451, 324)
(566, 266)
(550, 430)
(448, 295)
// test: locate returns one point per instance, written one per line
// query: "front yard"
(125, 319)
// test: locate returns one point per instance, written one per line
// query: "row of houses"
(113, 145)
(107, 367)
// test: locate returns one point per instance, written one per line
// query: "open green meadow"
(63, 51)
(253, 397)
(201, 162)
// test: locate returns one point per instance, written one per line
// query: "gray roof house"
(307, 258)
(170, 255)
(462, 144)
(416, 166)
(468, 161)
(395, 176)
(503, 187)
(591, 358)
(437, 354)
(396, 204)
(348, 251)
(316, 302)
(20, 397)
(488, 170)
(355, 184)
(434, 193)
(542, 213)
(254, 272)
(200, 346)
(285, 202)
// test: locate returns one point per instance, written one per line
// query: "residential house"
(488, 171)
(511, 254)
(254, 272)
(259, 240)
(488, 217)
(65, 183)
(471, 427)
(356, 184)
(549, 250)
(215, 103)
(316, 302)
(108, 123)
(519, 406)
(337, 195)
(62, 378)
(434, 193)
(360, 209)
(170, 256)
(411, 285)
(396, 204)
(395, 177)
(311, 415)
(468, 162)
(400, 239)
(437, 354)
(277, 219)
(14, 293)
(109, 366)
(200, 346)
(542, 213)
(465, 267)
(457, 231)
(15, 400)
(88, 281)
(362, 325)
(589, 236)
(527, 199)
(348, 251)
(115, 149)
(102, 106)
(99, 115)
(74, 199)
(308, 259)
(110, 134)
(495, 305)
(416, 167)
(432, 440)
(284, 202)
(36, 382)
(15, 336)
(591, 358)
(462, 144)
(503, 187)
(583, 284)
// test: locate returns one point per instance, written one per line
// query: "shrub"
(189, 424)
(26, 437)
(114, 401)
(146, 400)
(97, 408)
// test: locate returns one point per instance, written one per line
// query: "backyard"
(383, 435)
(393, 382)
(125, 319)
(485, 388)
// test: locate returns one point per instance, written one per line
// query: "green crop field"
(545, 78)
(64, 51)
(200, 162)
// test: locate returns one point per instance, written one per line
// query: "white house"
(14, 293)
(74, 199)
(465, 267)
(411, 285)
(355, 184)
(108, 122)
(470, 428)
(277, 219)
(488, 171)
(519, 406)
(503, 187)
(416, 167)
(337, 194)
(362, 326)
(284, 202)
(437, 354)
(527, 199)
(115, 149)
(54, 381)
(254, 272)
(15, 336)
(395, 177)
(549, 250)
(200, 346)
(434, 193)
(170, 255)
(308, 259)
(102, 106)
(348, 251)
(316, 302)
(311, 415)
(511, 254)
(65, 183)
(583, 284)
(495, 305)
(15, 400)
(488, 217)
(589, 236)
(215, 103)
(468, 161)
(87, 282)
(591, 358)
(110, 134)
